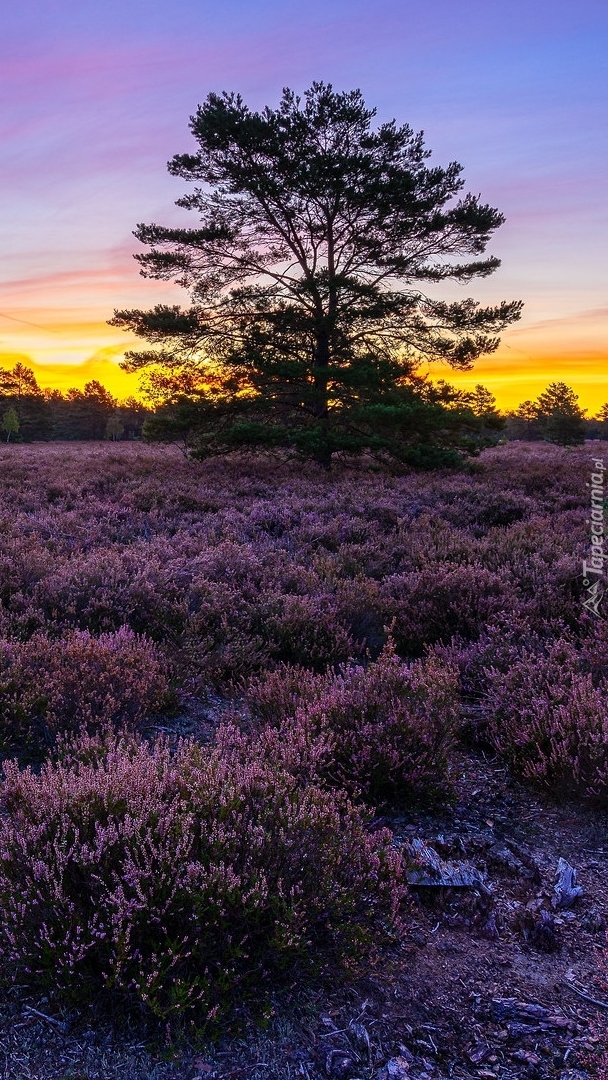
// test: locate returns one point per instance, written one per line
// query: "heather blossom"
(178, 879)
(358, 623)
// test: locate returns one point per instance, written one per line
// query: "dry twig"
(59, 1024)
(586, 997)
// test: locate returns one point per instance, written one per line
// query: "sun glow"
(515, 380)
(511, 375)
(100, 366)
(72, 345)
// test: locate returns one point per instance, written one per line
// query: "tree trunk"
(320, 365)
(320, 403)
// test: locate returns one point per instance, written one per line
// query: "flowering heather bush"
(178, 881)
(305, 630)
(499, 646)
(479, 510)
(384, 732)
(78, 682)
(235, 567)
(277, 695)
(441, 600)
(545, 569)
(103, 589)
(551, 723)
(593, 646)
(362, 608)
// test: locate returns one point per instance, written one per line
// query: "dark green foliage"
(10, 423)
(555, 417)
(23, 401)
(33, 415)
(560, 418)
(84, 414)
(307, 321)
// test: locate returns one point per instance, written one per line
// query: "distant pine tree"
(560, 418)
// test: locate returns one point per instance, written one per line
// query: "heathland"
(232, 697)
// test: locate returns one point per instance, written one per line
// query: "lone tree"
(308, 319)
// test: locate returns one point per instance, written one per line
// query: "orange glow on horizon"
(512, 376)
(101, 366)
(72, 346)
(55, 323)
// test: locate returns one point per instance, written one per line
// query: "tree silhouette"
(560, 418)
(308, 318)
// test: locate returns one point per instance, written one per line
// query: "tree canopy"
(560, 417)
(92, 413)
(308, 317)
(555, 416)
(10, 423)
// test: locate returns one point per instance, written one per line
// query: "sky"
(95, 98)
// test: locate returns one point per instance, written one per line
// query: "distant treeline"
(556, 417)
(568, 433)
(29, 414)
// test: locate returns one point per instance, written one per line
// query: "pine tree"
(560, 418)
(308, 318)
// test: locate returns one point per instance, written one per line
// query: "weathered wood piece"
(60, 1025)
(428, 869)
(565, 890)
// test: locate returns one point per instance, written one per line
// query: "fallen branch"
(586, 997)
(565, 890)
(59, 1024)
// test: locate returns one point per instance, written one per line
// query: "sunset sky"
(96, 98)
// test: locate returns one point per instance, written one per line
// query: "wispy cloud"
(94, 98)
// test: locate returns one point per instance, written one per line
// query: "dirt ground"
(489, 980)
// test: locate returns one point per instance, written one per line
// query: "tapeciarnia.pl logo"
(593, 569)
